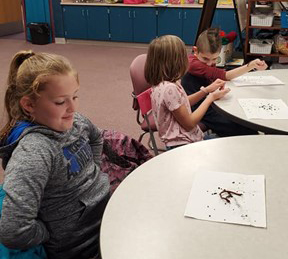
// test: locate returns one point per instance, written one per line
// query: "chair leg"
(155, 149)
(141, 136)
(154, 146)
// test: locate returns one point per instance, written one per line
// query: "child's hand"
(217, 84)
(219, 93)
(257, 64)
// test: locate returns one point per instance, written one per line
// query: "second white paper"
(256, 108)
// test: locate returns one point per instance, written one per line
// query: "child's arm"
(26, 176)
(189, 121)
(239, 71)
(196, 97)
(96, 142)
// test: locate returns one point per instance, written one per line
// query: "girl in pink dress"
(166, 63)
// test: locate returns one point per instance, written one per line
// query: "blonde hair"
(29, 73)
(209, 41)
(166, 60)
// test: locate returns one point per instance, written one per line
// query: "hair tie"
(24, 57)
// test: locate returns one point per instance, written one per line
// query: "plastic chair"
(144, 101)
(140, 85)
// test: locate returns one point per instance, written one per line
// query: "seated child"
(166, 63)
(202, 71)
(55, 193)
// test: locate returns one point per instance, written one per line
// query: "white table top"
(230, 107)
(144, 218)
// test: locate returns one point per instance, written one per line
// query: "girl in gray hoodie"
(55, 191)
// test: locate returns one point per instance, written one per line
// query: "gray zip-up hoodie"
(55, 192)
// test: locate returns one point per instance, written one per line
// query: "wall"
(10, 17)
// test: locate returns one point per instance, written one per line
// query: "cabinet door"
(144, 24)
(121, 27)
(75, 24)
(97, 23)
(191, 18)
(170, 21)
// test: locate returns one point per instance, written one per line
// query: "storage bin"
(261, 46)
(262, 19)
(284, 19)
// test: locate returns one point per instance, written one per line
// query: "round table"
(144, 218)
(229, 106)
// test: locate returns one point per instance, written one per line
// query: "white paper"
(248, 209)
(256, 80)
(256, 108)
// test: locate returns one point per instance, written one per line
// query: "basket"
(262, 19)
(261, 46)
(281, 44)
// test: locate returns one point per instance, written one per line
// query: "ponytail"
(11, 95)
(16, 62)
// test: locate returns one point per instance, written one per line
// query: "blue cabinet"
(182, 22)
(144, 24)
(97, 23)
(74, 22)
(86, 22)
(133, 24)
(121, 26)
(191, 19)
(136, 24)
(170, 21)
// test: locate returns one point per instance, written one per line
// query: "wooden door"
(10, 17)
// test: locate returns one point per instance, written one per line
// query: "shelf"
(267, 27)
(267, 55)
(249, 29)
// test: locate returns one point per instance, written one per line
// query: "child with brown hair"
(202, 71)
(166, 63)
(55, 191)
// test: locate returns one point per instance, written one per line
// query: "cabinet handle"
(129, 14)
(87, 12)
(185, 16)
(179, 15)
(83, 13)
(134, 14)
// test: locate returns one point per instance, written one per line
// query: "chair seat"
(144, 125)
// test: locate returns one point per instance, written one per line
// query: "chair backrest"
(144, 101)
(137, 74)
